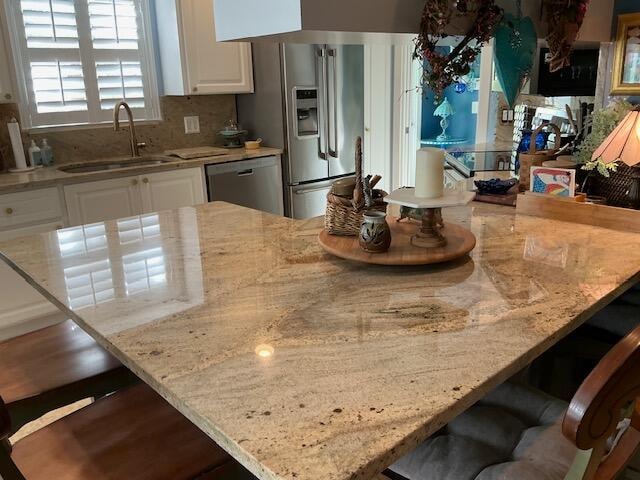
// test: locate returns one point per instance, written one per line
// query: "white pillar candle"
(429, 173)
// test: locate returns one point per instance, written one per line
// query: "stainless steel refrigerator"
(308, 100)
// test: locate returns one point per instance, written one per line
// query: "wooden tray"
(548, 206)
(460, 241)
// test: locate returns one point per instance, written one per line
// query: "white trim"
(407, 113)
(378, 112)
(484, 94)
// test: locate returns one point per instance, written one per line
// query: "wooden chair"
(520, 433)
(131, 434)
(53, 367)
(597, 406)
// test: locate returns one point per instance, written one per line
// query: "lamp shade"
(623, 143)
(444, 109)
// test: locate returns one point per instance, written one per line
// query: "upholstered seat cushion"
(512, 434)
(622, 315)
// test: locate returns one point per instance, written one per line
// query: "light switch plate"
(192, 124)
(474, 107)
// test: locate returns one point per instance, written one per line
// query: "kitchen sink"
(115, 164)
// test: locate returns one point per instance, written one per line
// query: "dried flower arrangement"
(442, 70)
(564, 18)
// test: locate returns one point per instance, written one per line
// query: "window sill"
(87, 126)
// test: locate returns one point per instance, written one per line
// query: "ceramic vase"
(375, 234)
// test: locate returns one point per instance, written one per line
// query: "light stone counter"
(304, 366)
(51, 176)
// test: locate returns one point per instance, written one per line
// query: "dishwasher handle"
(245, 173)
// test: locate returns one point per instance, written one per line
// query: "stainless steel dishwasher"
(255, 183)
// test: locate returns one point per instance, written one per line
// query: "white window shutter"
(80, 57)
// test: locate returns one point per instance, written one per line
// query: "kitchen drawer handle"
(245, 173)
(134, 182)
(9, 211)
(145, 180)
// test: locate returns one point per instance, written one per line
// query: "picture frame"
(626, 64)
(559, 182)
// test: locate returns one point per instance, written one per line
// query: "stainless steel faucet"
(135, 145)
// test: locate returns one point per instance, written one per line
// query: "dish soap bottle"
(35, 155)
(47, 153)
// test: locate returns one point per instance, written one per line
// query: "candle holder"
(432, 232)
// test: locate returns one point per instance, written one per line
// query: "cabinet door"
(212, 67)
(104, 200)
(174, 189)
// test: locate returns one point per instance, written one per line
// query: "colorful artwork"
(553, 181)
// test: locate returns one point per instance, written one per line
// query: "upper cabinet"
(191, 61)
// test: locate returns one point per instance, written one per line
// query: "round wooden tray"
(460, 241)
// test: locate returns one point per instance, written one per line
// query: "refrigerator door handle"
(332, 57)
(322, 105)
(303, 191)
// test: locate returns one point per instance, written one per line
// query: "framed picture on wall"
(626, 67)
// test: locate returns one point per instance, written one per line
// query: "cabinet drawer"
(29, 207)
(30, 230)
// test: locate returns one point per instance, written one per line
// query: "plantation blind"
(77, 58)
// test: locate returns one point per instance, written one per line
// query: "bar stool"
(516, 432)
(131, 434)
(53, 367)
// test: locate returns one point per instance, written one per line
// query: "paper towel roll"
(16, 144)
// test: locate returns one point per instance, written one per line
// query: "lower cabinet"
(22, 308)
(174, 189)
(128, 196)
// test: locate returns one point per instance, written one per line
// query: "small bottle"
(47, 153)
(35, 155)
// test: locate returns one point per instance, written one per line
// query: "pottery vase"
(375, 234)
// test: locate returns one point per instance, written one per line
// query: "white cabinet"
(174, 189)
(6, 84)
(22, 308)
(128, 196)
(104, 200)
(191, 61)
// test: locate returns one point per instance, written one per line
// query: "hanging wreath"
(442, 70)
(564, 18)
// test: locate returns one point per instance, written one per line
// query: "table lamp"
(444, 110)
(624, 144)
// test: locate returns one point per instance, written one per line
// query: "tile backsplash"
(71, 146)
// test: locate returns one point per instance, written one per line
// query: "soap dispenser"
(35, 155)
(47, 153)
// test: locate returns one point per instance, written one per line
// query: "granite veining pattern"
(50, 176)
(304, 366)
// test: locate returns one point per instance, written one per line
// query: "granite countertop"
(51, 176)
(305, 366)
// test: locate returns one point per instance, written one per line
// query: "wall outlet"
(192, 124)
(474, 107)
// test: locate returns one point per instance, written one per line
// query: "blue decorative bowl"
(495, 186)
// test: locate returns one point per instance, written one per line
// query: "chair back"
(600, 403)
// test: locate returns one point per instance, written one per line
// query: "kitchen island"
(304, 366)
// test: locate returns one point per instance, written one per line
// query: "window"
(77, 58)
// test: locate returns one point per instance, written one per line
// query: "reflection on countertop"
(52, 176)
(297, 362)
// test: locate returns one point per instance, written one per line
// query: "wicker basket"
(615, 187)
(343, 215)
(535, 157)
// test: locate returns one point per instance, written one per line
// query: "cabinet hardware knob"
(9, 211)
(195, 89)
(145, 180)
(134, 181)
